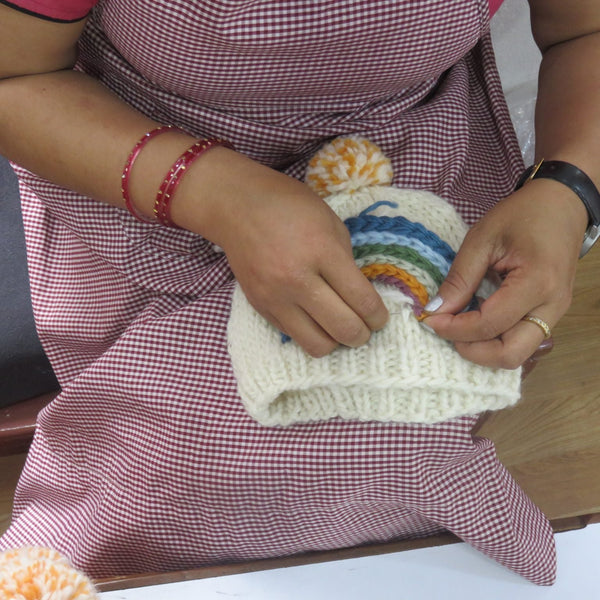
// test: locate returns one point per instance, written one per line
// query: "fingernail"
(434, 304)
(425, 326)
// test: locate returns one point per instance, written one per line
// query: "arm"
(289, 251)
(533, 237)
(58, 123)
(567, 121)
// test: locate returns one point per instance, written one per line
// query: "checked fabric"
(148, 459)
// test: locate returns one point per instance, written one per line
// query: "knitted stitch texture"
(404, 241)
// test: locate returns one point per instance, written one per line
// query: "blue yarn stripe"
(375, 237)
(402, 226)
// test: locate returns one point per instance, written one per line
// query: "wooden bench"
(17, 424)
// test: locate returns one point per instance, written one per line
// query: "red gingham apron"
(147, 460)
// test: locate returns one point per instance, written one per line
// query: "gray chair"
(27, 381)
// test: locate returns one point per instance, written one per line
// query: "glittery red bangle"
(129, 164)
(169, 184)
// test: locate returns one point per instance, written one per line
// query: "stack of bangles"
(162, 204)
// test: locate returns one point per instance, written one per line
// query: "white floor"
(447, 572)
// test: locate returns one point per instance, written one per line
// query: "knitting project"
(404, 241)
(37, 573)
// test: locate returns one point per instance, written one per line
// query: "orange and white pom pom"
(35, 573)
(348, 164)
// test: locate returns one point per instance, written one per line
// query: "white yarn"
(404, 373)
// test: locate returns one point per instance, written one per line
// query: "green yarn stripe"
(402, 253)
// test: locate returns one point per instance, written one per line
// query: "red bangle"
(162, 205)
(129, 164)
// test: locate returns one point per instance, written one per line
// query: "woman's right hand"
(289, 251)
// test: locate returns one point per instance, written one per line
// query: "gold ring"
(540, 323)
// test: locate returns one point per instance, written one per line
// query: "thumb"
(466, 273)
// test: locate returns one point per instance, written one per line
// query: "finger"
(508, 351)
(359, 295)
(544, 348)
(517, 296)
(304, 330)
(466, 272)
(335, 316)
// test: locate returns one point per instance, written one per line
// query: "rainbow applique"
(400, 253)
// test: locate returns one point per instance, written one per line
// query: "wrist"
(577, 189)
(557, 198)
(227, 195)
(207, 193)
(150, 197)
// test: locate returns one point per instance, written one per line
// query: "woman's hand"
(289, 251)
(532, 241)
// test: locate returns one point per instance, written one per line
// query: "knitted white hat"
(404, 241)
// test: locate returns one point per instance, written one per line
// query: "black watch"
(580, 183)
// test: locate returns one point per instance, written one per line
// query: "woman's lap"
(148, 460)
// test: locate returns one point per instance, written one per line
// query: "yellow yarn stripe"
(372, 271)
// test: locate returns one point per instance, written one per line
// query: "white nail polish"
(434, 304)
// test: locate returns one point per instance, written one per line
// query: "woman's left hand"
(532, 241)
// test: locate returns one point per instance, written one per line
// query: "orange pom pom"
(36, 573)
(347, 164)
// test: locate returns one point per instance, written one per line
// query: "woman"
(148, 431)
